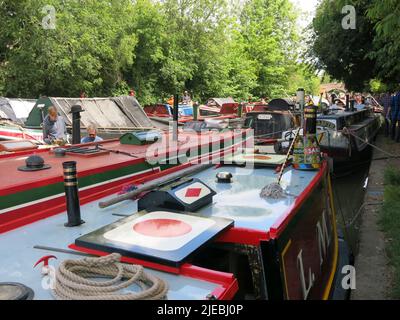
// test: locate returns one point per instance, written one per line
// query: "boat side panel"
(307, 247)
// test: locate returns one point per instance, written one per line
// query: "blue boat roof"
(239, 201)
(18, 255)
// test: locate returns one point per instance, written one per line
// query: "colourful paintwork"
(29, 196)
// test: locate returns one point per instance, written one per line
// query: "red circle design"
(256, 157)
(162, 228)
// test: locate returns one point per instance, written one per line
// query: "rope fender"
(73, 280)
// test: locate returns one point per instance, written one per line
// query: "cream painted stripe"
(81, 189)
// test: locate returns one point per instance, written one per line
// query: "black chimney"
(76, 124)
(175, 118)
(352, 103)
(71, 194)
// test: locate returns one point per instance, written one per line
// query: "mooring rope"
(72, 280)
(347, 131)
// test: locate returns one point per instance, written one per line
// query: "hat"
(34, 163)
(76, 109)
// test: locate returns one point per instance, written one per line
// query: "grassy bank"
(390, 223)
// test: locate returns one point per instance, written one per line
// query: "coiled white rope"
(73, 280)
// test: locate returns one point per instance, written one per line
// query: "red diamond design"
(193, 192)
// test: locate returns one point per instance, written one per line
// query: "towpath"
(374, 274)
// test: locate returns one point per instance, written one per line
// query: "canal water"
(349, 188)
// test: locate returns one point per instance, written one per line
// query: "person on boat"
(92, 135)
(187, 99)
(171, 101)
(359, 104)
(338, 105)
(54, 127)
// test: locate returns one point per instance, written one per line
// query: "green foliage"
(390, 222)
(385, 15)
(343, 53)
(268, 28)
(305, 78)
(377, 86)
(158, 48)
(370, 51)
(392, 176)
(87, 50)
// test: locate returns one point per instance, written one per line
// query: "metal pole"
(195, 112)
(175, 118)
(240, 110)
(76, 124)
(71, 194)
(301, 98)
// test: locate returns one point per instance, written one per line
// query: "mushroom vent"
(224, 177)
(15, 291)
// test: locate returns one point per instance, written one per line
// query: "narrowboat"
(31, 183)
(13, 113)
(119, 115)
(216, 107)
(161, 114)
(195, 231)
(345, 135)
(274, 123)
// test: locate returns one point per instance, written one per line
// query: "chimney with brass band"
(72, 195)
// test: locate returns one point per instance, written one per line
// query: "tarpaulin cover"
(108, 113)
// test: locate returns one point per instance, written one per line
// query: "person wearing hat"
(54, 127)
(92, 135)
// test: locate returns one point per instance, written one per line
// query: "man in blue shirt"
(92, 135)
(359, 105)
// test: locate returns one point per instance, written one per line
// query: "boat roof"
(343, 114)
(16, 109)
(19, 256)
(20, 181)
(115, 112)
(220, 101)
(349, 119)
(239, 201)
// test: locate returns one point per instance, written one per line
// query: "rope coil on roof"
(73, 283)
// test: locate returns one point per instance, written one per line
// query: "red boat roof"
(13, 180)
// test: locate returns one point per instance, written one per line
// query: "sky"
(307, 6)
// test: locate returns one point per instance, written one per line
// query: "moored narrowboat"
(208, 235)
(36, 188)
(346, 135)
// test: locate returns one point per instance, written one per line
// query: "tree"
(159, 48)
(87, 51)
(344, 54)
(268, 28)
(385, 16)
